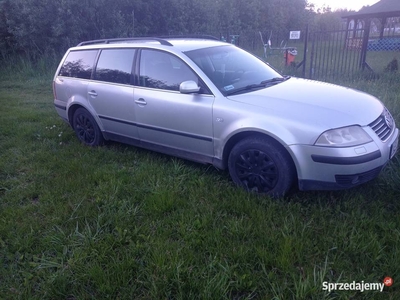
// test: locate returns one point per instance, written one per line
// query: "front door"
(167, 117)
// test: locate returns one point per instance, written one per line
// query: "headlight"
(343, 137)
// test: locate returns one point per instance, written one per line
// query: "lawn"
(118, 222)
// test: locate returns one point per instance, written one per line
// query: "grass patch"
(117, 222)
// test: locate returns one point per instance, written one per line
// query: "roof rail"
(191, 36)
(108, 41)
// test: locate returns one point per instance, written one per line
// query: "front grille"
(383, 126)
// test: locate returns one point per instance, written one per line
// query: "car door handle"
(141, 102)
(92, 93)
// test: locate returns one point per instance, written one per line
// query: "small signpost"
(294, 35)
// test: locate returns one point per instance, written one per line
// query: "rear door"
(111, 92)
(167, 117)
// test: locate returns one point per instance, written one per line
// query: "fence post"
(305, 52)
(364, 47)
(312, 55)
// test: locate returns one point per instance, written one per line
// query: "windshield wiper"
(262, 84)
(246, 88)
(275, 80)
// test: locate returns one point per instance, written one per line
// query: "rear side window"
(115, 65)
(79, 64)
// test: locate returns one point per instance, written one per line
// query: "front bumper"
(326, 168)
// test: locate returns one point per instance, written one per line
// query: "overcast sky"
(349, 4)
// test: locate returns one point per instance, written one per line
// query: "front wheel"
(86, 128)
(261, 165)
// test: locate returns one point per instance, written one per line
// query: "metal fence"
(334, 54)
(324, 55)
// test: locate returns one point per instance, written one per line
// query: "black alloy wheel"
(86, 128)
(261, 165)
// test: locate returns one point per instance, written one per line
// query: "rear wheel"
(261, 165)
(86, 128)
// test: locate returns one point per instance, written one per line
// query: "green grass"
(118, 222)
(379, 60)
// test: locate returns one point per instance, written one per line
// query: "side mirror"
(189, 87)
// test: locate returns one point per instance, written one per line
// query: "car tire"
(86, 128)
(261, 165)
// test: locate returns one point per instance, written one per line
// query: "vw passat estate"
(212, 102)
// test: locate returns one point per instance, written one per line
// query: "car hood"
(319, 103)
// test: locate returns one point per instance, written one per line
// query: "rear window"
(79, 64)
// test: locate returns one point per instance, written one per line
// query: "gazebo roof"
(382, 9)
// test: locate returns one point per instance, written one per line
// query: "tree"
(46, 27)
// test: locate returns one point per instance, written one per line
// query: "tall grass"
(118, 222)
(19, 68)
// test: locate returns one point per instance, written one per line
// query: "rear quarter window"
(79, 64)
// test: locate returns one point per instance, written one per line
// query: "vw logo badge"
(388, 119)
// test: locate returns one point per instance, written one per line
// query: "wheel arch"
(88, 130)
(233, 140)
(72, 109)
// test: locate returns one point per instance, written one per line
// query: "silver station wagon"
(214, 103)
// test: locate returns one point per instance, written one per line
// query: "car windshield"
(234, 70)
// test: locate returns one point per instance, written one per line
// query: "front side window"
(115, 65)
(161, 70)
(79, 64)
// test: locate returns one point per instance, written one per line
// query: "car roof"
(180, 43)
(193, 44)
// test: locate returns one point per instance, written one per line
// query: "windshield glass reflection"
(232, 69)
